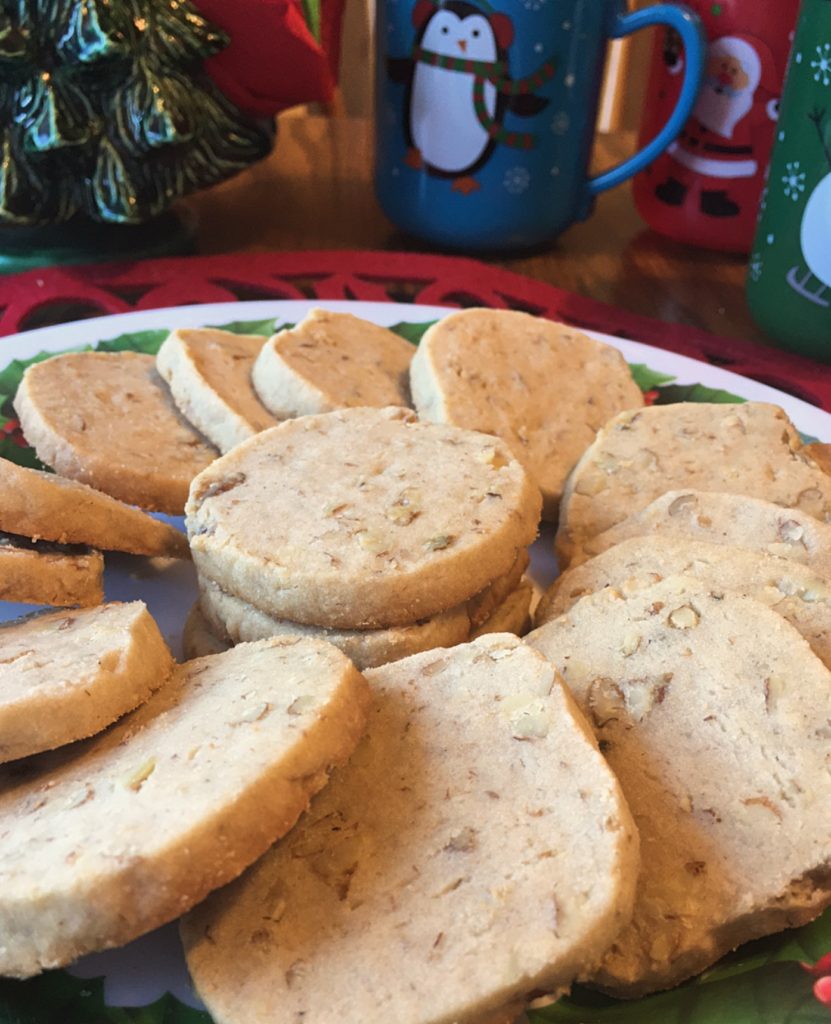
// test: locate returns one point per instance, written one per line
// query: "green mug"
(789, 276)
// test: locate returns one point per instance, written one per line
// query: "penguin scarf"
(496, 73)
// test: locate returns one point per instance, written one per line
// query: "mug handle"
(688, 26)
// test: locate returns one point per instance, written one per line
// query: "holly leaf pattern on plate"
(762, 983)
(59, 998)
(265, 327)
(411, 332)
(671, 393)
(777, 994)
(648, 379)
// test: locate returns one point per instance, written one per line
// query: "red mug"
(706, 188)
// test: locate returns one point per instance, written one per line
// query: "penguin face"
(470, 38)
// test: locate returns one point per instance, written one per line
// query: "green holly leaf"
(780, 993)
(148, 342)
(646, 378)
(265, 327)
(59, 998)
(11, 450)
(800, 945)
(411, 332)
(694, 393)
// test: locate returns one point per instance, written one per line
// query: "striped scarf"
(496, 73)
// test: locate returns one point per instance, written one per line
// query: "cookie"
(750, 449)
(198, 639)
(361, 518)
(720, 518)
(513, 615)
(48, 507)
(39, 572)
(229, 616)
(713, 713)
(107, 419)
(794, 591)
(820, 453)
(475, 849)
(66, 675)
(332, 361)
(543, 387)
(118, 834)
(209, 375)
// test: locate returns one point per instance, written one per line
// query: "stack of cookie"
(692, 626)
(383, 534)
(713, 713)
(750, 449)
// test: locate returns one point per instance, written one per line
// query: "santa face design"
(730, 81)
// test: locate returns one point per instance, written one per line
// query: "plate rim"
(687, 370)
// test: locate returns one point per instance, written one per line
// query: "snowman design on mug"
(815, 231)
(459, 90)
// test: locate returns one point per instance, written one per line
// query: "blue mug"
(485, 118)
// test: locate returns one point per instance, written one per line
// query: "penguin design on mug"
(459, 89)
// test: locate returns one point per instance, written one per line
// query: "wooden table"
(315, 192)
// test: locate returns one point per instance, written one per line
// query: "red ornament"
(273, 60)
(706, 188)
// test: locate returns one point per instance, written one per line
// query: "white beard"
(721, 113)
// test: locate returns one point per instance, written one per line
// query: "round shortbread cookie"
(332, 361)
(66, 675)
(749, 448)
(107, 419)
(795, 591)
(713, 712)
(226, 615)
(512, 616)
(40, 572)
(199, 639)
(44, 506)
(475, 849)
(720, 518)
(361, 518)
(543, 387)
(120, 833)
(209, 375)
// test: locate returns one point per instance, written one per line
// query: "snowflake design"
(516, 180)
(822, 65)
(560, 123)
(755, 266)
(794, 180)
(533, 5)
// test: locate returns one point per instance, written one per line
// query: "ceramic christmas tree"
(107, 116)
(789, 280)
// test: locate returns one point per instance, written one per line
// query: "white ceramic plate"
(142, 972)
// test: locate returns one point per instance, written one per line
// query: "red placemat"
(42, 297)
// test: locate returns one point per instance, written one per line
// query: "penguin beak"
(462, 44)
